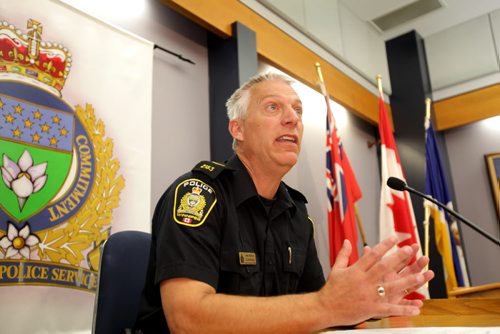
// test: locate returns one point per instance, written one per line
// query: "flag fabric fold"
(342, 191)
(445, 229)
(396, 211)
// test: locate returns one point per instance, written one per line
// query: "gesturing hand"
(375, 285)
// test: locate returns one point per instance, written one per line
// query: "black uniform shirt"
(212, 226)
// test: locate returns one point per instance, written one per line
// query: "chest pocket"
(294, 260)
(236, 278)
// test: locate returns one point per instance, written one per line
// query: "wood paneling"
(467, 108)
(285, 53)
(491, 290)
(282, 51)
(445, 313)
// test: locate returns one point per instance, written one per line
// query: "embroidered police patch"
(194, 200)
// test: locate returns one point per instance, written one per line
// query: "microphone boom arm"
(455, 214)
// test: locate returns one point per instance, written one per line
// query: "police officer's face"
(272, 131)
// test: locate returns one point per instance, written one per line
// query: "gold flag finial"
(321, 81)
(428, 108)
(318, 70)
(379, 84)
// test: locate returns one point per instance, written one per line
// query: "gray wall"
(180, 125)
(462, 58)
(179, 129)
(466, 147)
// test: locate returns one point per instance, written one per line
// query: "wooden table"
(467, 312)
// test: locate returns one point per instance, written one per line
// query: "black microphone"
(398, 184)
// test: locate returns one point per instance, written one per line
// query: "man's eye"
(298, 110)
(272, 107)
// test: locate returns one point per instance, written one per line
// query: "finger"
(403, 266)
(342, 259)
(416, 267)
(388, 309)
(376, 253)
(399, 287)
(411, 302)
(391, 264)
(428, 275)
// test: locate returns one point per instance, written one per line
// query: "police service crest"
(194, 200)
(59, 181)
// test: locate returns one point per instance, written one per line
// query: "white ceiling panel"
(453, 13)
(367, 10)
(464, 52)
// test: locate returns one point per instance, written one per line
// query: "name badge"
(247, 259)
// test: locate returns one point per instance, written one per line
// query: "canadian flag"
(396, 211)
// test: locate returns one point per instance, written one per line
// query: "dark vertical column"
(232, 61)
(410, 86)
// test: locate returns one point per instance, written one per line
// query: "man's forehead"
(275, 89)
(294, 97)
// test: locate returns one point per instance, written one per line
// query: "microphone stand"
(456, 214)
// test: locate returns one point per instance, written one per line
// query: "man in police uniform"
(233, 248)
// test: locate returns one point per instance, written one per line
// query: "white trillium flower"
(18, 241)
(23, 178)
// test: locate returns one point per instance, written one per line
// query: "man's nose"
(291, 116)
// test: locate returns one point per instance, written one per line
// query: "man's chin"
(289, 159)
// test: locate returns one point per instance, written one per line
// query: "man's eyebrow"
(277, 97)
(270, 96)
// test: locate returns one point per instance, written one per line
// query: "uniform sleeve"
(188, 232)
(312, 278)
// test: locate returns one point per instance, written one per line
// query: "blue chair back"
(122, 273)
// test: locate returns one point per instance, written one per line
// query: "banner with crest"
(75, 113)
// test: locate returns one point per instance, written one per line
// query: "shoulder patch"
(210, 168)
(193, 201)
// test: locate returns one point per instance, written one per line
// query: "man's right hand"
(374, 286)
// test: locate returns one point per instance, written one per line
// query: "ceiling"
(411, 13)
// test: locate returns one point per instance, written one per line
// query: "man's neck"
(266, 180)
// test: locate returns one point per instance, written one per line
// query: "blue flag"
(446, 230)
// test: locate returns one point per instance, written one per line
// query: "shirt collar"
(244, 188)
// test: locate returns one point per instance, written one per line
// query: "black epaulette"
(296, 194)
(210, 168)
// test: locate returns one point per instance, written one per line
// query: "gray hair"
(237, 104)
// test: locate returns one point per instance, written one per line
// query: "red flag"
(396, 210)
(342, 191)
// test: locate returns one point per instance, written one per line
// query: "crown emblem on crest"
(197, 190)
(25, 57)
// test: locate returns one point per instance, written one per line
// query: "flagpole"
(427, 210)
(360, 225)
(327, 100)
(428, 109)
(379, 85)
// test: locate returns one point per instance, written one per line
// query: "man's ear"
(235, 129)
